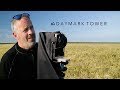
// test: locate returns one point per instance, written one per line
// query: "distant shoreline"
(81, 42)
(7, 43)
(97, 42)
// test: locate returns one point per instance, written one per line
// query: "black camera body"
(51, 58)
(58, 60)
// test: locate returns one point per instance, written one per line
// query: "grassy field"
(4, 48)
(89, 60)
(93, 61)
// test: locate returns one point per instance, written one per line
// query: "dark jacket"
(17, 63)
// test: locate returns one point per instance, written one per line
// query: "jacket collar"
(24, 51)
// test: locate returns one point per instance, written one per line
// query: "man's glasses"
(19, 16)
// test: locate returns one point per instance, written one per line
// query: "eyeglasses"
(19, 16)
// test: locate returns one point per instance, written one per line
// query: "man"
(20, 62)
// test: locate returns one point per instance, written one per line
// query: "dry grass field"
(88, 60)
(4, 48)
(93, 61)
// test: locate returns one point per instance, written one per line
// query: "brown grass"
(93, 61)
(88, 60)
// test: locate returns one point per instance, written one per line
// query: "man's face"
(25, 34)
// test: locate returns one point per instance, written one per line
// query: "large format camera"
(59, 61)
(51, 58)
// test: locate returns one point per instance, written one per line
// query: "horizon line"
(67, 42)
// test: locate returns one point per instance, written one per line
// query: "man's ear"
(14, 35)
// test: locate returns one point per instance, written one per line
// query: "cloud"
(9, 36)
